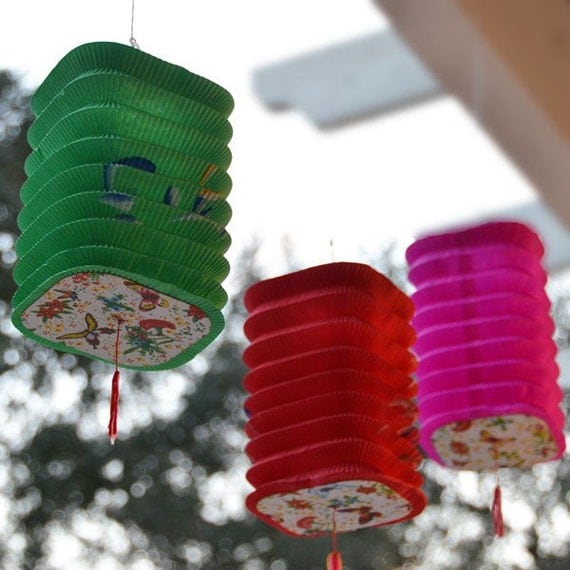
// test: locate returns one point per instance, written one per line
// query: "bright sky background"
(361, 186)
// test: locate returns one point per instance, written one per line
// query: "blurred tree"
(15, 117)
(170, 494)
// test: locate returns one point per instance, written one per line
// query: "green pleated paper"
(132, 237)
(99, 56)
(186, 198)
(115, 150)
(121, 255)
(140, 267)
(116, 207)
(113, 88)
(92, 122)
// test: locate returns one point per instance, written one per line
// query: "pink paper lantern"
(488, 396)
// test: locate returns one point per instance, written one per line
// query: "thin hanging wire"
(334, 537)
(132, 39)
(334, 559)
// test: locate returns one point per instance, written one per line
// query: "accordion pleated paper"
(123, 229)
(331, 406)
(488, 395)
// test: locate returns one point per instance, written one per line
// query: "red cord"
(114, 404)
(114, 411)
(334, 560)
(497, 513)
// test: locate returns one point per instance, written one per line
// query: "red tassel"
(497, 513)
(114, 408)
(114, 405)
(334, 561)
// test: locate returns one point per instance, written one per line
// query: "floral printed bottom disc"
(119, 320)
(354, 504)
(517, 440)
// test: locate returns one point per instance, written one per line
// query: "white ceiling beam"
(373, 74)
(508, 62)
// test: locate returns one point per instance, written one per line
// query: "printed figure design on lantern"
(53, 309)
(59, 306)
(195, 312)
(90, 333)
(133, 161)
(82, 310)
(202, 205)
(171, 196)
(365, 514)
(148, 336)
(356, 504)
(488, 443)
(149, 299)
(113, 303)
(124, 202)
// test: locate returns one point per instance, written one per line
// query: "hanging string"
(114, 403)
(331, 245)
(497, 510)
(132, 38)
(334, 560)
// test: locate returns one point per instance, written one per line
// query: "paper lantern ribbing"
(121, 253)
(330, 409)
(488, 396)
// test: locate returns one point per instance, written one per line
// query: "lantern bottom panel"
(353, 504)
(516, 440)
(82, 312)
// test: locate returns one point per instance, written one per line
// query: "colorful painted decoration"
(121, 252)
(488, 395)
(331, 408)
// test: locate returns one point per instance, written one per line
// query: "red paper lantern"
(487, 396)
(331, 411)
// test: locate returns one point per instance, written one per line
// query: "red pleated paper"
(331, 405)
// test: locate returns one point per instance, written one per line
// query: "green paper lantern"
(121, 253)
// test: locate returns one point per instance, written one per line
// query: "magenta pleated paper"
(488, 395)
